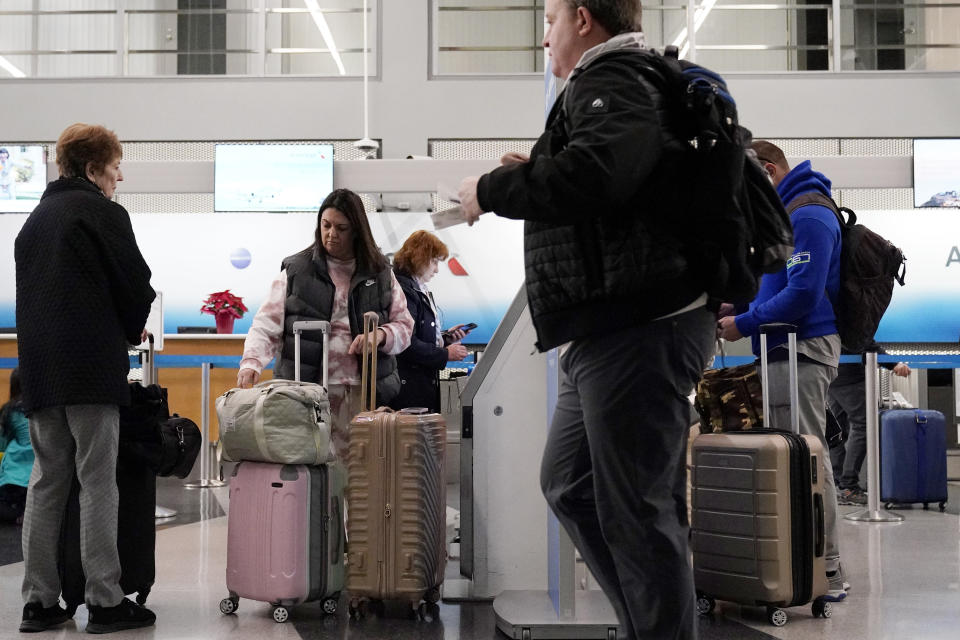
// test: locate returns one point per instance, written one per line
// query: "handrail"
(916, 361)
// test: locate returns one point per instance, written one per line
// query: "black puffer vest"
(310, 293)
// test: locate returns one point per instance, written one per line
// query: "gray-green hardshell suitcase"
(757, 529)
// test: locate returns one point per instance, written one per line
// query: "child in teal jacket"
(17, 461)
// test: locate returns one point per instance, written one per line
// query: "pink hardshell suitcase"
(285, 536)
(285, 529)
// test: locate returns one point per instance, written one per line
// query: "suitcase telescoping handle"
(149, 363)
(368, 359)
(311, 325)
(791, 331)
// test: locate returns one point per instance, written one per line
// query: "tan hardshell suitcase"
(396, 497)
(757, 529)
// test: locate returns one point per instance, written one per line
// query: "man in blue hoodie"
(801, 295)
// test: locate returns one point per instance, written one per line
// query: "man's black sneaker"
(126, 615)
(38, 618)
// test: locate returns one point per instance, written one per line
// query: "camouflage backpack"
(730, 399)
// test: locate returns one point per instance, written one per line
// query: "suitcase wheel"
(330, 605)
(280, 614)
(229, 605)
(705, 604)
(433, 595)
(821, 608)
(358, 608)
(943, 507)
(926, 506)
(142, 596)
(776, 616)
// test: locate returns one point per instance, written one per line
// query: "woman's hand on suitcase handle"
(356, 347)
(247, 378)
(727, 329)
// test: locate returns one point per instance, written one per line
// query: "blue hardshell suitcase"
(913, 457)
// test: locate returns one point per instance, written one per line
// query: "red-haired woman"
(430, 348)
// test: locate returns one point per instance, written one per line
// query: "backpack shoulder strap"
(814, 197)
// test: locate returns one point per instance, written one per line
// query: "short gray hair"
(616, 16)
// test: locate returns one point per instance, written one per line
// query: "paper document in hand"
(447, 218)
(445, 192)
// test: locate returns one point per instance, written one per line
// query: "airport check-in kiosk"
(512, 548)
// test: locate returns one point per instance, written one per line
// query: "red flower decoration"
(224, 302)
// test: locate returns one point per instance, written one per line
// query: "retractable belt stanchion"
(206, 481)
(873, 513)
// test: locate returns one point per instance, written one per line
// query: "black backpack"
(869, 265)
(734, 224)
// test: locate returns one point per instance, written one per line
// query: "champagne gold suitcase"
(396, 502)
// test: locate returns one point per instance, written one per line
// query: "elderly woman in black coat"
(83, 294)
(430, 348)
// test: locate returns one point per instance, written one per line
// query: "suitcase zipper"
(801, 500)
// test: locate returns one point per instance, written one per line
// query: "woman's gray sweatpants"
(81, 438)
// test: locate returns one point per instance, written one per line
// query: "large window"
(90, 38)
(504, 36)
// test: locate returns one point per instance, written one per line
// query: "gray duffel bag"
(280, 421)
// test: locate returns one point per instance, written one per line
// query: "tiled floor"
(905, 577)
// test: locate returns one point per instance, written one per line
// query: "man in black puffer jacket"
(606, 271)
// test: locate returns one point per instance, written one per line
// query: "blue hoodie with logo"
(801, 293)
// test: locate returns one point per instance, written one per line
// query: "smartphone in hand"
(467, 328)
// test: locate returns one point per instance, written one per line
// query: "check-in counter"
(183, 383)
(8, 352)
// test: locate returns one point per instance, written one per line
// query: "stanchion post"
(872, 513)
(205, 481)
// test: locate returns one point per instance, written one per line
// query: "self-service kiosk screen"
(936, 172)
(272, 177)
(23, 177)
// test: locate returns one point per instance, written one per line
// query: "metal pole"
(206, 481)
(872, 513)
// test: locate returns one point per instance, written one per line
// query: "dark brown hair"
(369, 258)
(769, 152)
(417, 252)
(80, 144)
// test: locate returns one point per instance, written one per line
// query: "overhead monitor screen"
(272, 177)
(23, 177)
(936, 173)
